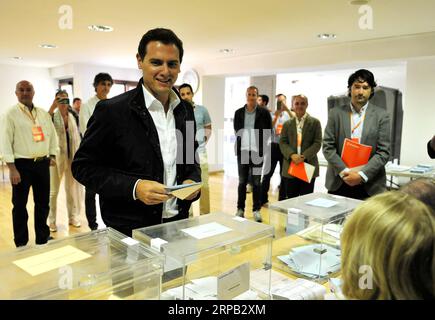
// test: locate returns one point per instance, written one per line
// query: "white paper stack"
(299, 289)
(306, 261)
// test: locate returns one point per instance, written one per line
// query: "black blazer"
(263, 122)
(120, 146)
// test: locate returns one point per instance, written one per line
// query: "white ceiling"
(249, 27)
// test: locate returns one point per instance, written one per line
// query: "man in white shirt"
(142, 141)
(102, 84)
(29, 144)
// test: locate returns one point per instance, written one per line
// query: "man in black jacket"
(252, 125)
(141, 141)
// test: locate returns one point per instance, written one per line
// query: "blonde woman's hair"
(393, 234)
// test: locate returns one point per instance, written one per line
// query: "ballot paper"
(321, 202)
(183, 191)
(306, 261)
(181, 186)
(206, 230)
(51, 260)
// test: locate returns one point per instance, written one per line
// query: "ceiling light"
(226, 51)
(325, 36)
(48, 46)
(359, 2)
(17, 58)
(98, 28)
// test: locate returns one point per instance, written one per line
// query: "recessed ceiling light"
(17, 58)
(48, 46)
(325, 36)
(226, 51)
(359, 2)
(99, 28)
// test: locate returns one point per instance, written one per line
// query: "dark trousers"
(271, 161)
(36, 175)
(356, 192)
(249, 161)
(91, 211)
(293, 187)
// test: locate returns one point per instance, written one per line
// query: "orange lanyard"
(358, 124)
(29, 113)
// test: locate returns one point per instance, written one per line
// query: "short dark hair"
(76, 99)
(362, 75)
(265, 98)
(186, 85)
(280, 94)
(101, 77)
(252, 87)
(166, 36)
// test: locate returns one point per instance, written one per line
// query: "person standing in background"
(301, 140)
(102, 84)
(203, 134)
(279, 117)
(365, 123)
(77, 103)
(29, 147)
(252, 126)
(68, 133)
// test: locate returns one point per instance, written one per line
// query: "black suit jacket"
(120, 146)
(263, 123)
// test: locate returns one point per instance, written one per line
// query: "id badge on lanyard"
(38, 134)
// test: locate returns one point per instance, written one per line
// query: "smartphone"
(64, 101)
(278, 105)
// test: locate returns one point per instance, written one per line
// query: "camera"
(63, 101)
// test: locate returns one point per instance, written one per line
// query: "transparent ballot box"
(214, 256)
(102, 264)
(308, 232)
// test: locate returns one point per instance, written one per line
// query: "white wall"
(419, 111)
(84, 74)
(45, 86)
(214, 101)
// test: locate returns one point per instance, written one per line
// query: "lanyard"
(29, 113)
(353, 128)
(299, 127)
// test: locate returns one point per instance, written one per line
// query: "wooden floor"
(223, 198)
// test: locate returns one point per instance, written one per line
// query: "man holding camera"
(29, 144)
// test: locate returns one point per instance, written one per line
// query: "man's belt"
(37, 159)
(40, 159)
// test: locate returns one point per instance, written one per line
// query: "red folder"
(303, 171)
(355, 154)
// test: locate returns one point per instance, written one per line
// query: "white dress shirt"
(356, 129)
(17, 138)
(86, 111)
(166, 130)
(357, 121)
